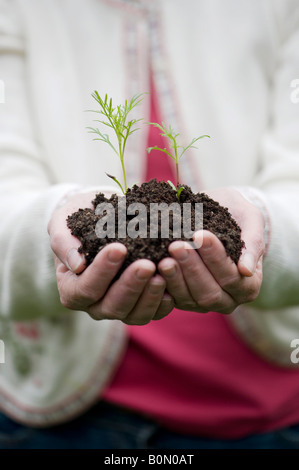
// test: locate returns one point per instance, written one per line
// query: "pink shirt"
(192, 373)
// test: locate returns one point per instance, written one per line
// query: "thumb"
(252, 254)
(247, 264)
(74, 261)
(65, 246)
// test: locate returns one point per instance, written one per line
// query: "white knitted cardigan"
(222, 68)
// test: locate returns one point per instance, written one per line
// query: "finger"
(148, 303)
(175, 282)
(203, 287)
(165, 307)
(123, 295)
(241, 288)
(215, 258)
(78, 292)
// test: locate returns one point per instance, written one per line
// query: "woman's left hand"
(206, 279)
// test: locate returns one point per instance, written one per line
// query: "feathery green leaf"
(173, 144)
(116, 119)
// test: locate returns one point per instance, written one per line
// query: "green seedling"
(116, 118)
(178, 150)
(177, 189)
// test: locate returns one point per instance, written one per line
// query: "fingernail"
(116, 255)
(156, 287)
(169, 270)
(249, 262)
(143, 274)
(74, 260)
(180, 253)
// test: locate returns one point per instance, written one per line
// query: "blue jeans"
(108, 427)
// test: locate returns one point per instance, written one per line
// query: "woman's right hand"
(136, 298)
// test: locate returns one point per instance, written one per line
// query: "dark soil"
(216, 219)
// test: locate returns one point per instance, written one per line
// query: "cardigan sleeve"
(27, 193)
(271, 322)
(279, 175)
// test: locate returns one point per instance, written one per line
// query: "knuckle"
(212, 300)
(66, 302)
(98, 313)
(85, 294)
(78, 299)
(94, 315)
(117, 314)
(248, 294)
(229, 310)
(252, 294)
(133, 290)
(192, 270)
(113, 313)
(255, 287)
(230, 282)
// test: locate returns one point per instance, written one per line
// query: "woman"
(188, 379)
